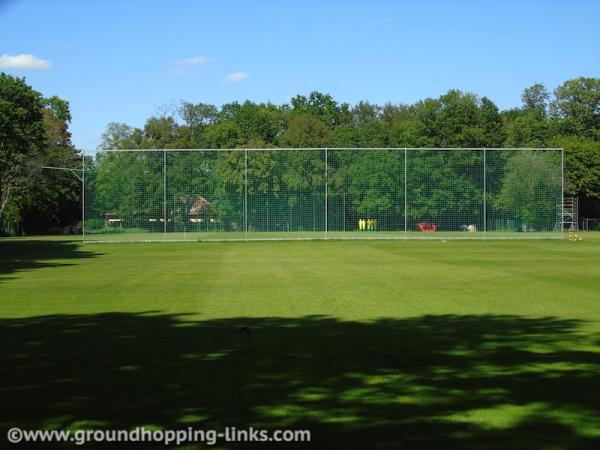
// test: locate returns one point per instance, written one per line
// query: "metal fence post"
(326, 189)
(405, 191)
(344, 210)
(246, 193)
(164, 193)
(562, 191)
(484, 193)
(83, 196)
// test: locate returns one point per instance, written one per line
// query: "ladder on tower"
(567, 214)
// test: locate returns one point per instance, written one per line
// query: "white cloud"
(235, 77)
(24, 62)
(193, 61)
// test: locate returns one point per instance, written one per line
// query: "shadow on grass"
(427, 382)
(20, 255)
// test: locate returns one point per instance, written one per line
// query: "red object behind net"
(427, 227)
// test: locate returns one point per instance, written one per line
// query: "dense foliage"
(569, 118)
(287, 190)
(34, 132)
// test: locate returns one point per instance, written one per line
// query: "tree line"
(569, 117)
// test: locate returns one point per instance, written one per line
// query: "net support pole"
(83, 196)
(405, 191)
(562, 191)
(326, 189)
(246, 193)
(165, 193)
(344, 211)
(484, 192)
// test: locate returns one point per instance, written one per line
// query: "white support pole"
(165, 193)
(344, 210)
(405, 191)
(562, 191)
(484, 192)
(246, 193)
(326, 181)
(83, 196)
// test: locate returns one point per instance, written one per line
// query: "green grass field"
(367, 344)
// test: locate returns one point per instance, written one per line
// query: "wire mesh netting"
(245, 194)
(590, 224)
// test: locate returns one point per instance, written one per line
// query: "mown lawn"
(368, 344)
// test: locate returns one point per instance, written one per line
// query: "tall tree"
(536, 98)
(530, 189)
(160, 132)
(22, 139)
(459, 119)
(120, 136)
(196, 117)
(55, 199)
(322, 106)
(306, 130)
(582, 174)
(576, 107)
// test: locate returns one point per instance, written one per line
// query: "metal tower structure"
(568, 213)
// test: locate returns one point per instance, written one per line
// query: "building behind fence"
(323, 193)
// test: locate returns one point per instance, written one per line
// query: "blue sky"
(122, 60)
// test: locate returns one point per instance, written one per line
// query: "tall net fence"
(245, 194)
